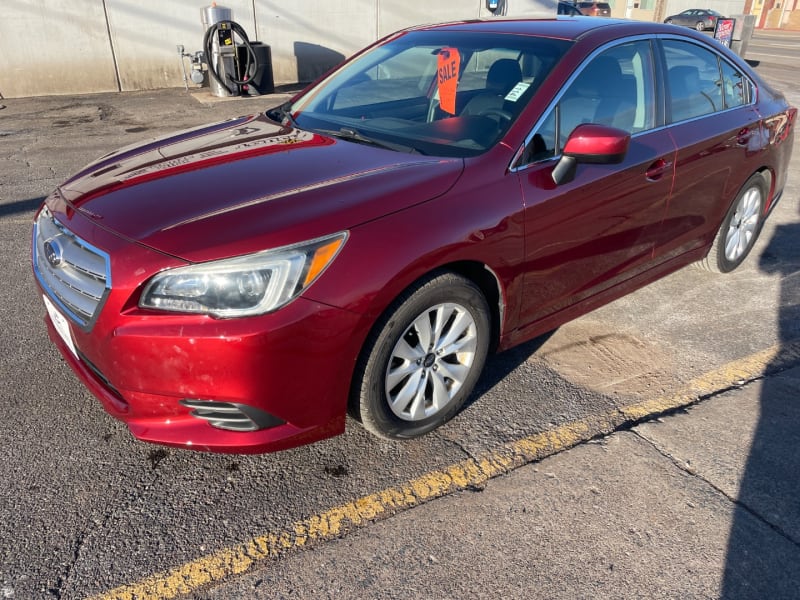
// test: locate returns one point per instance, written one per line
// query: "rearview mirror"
(591, 144)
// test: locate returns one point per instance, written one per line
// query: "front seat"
(503, 75)
(617, 106)
(601, 94)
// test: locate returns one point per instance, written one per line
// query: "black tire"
(443, 373)
(668, 21)
(700, 26)
(740, 228)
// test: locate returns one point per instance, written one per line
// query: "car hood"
(247, 184)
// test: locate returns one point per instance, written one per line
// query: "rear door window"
(693, 81)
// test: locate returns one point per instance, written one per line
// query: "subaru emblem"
(53, 253)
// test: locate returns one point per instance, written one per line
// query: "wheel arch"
(769, 178)
(480, 274)
(489, 283)
(713, 260)
(734, 187)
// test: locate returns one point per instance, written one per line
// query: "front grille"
(75, 274)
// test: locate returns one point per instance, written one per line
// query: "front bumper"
(294, 365)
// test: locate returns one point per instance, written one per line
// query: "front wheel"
(739, 230)
(423, 358)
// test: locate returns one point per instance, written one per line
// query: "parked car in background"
(568, 9)
(697, 18)
(450, 191)
(594, 9)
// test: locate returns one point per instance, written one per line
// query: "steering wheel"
(498, 113)
(710, 101)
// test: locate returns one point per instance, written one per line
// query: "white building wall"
(85, 46)
(54, 47)
(145, 33)
(307, 37)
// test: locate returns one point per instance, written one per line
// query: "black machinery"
(236, 66)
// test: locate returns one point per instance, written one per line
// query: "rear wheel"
(739, 230)
(423, 358)
(700, 26)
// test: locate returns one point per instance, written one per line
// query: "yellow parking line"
(466, 474)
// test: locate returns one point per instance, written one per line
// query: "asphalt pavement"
(698, 504)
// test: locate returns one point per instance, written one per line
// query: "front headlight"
(243, 286)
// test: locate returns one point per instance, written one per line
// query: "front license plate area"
(61, 324)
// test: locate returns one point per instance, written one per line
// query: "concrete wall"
(86, 46)
(144, 35)
(54, 47)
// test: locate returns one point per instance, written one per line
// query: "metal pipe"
(183, 66)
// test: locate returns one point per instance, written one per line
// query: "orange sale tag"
(449, 63)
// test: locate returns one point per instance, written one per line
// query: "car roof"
(562, 27)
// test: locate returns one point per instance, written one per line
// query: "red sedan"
(450, 191)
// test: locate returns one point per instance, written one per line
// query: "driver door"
(598, 230)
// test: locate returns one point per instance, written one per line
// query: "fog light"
(231, 416)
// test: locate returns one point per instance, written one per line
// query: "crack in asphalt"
(134, 495)
(467, 454)
(60, 588)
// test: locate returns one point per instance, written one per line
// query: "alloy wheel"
(744, 224)
(430, 362)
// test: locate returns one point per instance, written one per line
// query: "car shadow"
(765, 531)
(500, 365)
(20, 206)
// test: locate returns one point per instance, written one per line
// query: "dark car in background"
(696, 18)
(450, 191)
(568, 9)
(594, 9)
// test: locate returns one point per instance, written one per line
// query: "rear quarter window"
(701, 82)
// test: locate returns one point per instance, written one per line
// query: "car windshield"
(440, 93)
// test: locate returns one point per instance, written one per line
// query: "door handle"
(743, 137)
(657, 169)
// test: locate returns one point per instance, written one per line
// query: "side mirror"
(591, 144)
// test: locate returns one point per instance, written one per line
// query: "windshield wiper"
(346, 133)
(282, 115)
